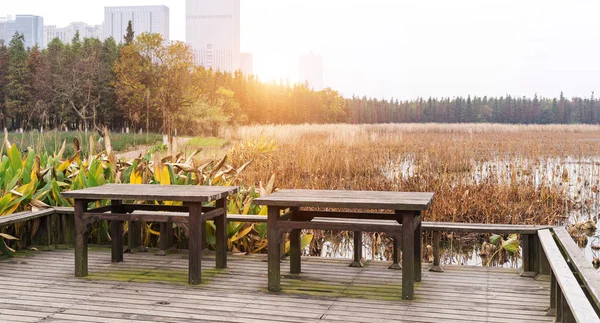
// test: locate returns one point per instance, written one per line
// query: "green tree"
(4, 59)
(130, 35)
(17, 92)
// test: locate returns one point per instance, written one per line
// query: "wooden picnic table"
(407, 207)
(121, 209)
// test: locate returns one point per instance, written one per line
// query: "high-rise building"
(67, 34)
(247, 63)
(144, 19)
(32, 28)
(213, 32)
(311, 70)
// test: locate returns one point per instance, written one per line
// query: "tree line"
(508, 109)
(148, 84)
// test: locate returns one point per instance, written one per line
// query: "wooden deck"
(150, 288)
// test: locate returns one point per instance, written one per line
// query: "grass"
(51, 141)
(206, 142)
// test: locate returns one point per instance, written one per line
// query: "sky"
(399, 48)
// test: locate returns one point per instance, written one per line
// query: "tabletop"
(403, 201)
(148, 192)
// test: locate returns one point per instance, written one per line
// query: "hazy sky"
(403, 49)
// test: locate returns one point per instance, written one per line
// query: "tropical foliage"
(34, 181)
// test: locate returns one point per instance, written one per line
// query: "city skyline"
(213, 33)
(150, 19)
(402, 49)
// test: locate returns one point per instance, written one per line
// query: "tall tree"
(17, 92)
(162, 76)
(130, 35)
(3, 82)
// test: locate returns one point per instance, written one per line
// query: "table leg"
(418, 235)
(273, 249)
(408, 256)
(397, 256)
(221, 234)
(116, 233)
(81, 238)
(196, 237)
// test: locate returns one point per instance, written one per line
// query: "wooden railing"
(575, 285)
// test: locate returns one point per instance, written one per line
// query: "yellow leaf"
(263, 211)
(165, 178)
(135, 178)
(156, 233)
(242, 233)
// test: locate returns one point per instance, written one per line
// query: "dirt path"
(141, 150)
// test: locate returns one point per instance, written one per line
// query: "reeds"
(480, 173)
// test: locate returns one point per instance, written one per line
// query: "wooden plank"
(348, 199)
(246, 218)
(326, 224)
(24, 216)
(483, 228)
(568, 290)
(588, 275)
(239, 288)
(149, 192)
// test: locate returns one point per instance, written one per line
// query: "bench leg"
(196, 238)
(221, 234)
(408, 256)
(358, 250)
(418, 251)
(295, 252)
(397, 250)
(134, 238)
(273, 249)
(81, 239)
(436, 253)
(165, 241)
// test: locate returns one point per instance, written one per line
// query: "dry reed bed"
(444, 159)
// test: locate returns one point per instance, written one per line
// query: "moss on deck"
(157, 275)
(301, 285)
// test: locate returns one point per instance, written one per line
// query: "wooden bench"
(534, 262)
(43, 236)
(568, 302)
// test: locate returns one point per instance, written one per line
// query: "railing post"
(42, 239)
(553, 284)
(542, 265)
(559, 301)
(436, 253)
(528, 258)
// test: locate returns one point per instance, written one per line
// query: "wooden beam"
(570, 297)
(340, 226)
